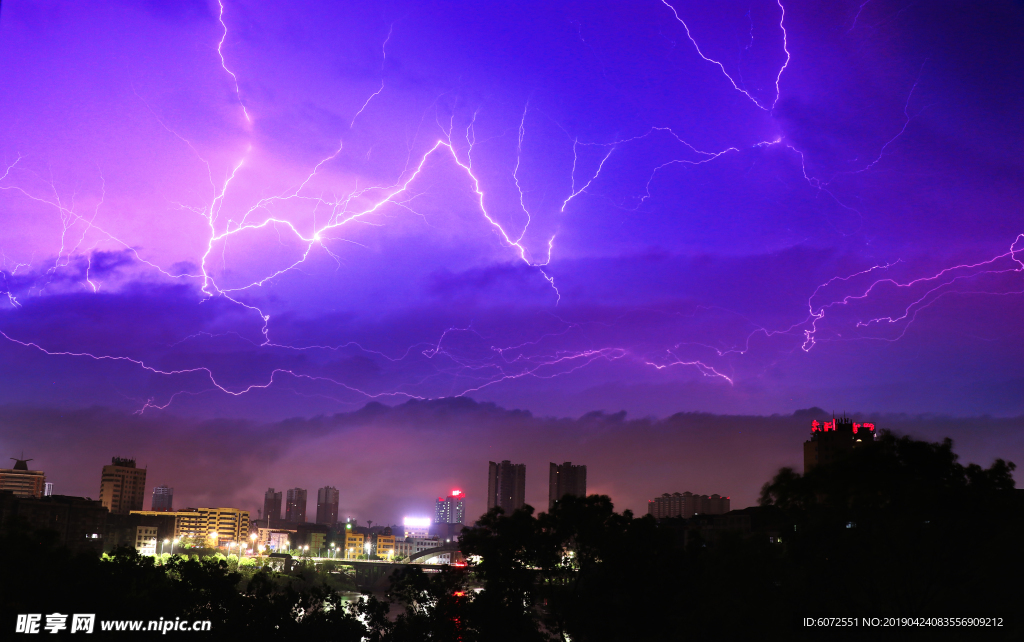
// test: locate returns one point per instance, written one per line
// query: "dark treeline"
(898, 528)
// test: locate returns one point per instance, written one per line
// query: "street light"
(162, 547)
(367, 547)
(173, 542)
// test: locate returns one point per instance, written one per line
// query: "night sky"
(226, 229)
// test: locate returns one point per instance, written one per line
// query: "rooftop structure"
(830, 440)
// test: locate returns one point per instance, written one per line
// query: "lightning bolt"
(721, 67)
(224, 64)
(535, 358)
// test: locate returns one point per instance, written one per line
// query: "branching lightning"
(541, 358)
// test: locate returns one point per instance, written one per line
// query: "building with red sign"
(831, 440)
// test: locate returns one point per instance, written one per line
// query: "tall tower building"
(566, 479)
(123, 486)
(22, 481)
(506, 486)
(272, 507)
(295, 506)
(450, 509)
(831, 440)
(163, 498)
(327, 506)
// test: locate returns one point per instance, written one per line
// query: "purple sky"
(249, 213)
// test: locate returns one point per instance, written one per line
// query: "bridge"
(374, 575)
(452, 547)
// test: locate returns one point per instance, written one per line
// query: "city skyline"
(378, 247)
(728, 455)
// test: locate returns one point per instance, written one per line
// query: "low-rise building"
(121, 530)
(274, 539)
(687, 505)
(414, 545)
(211, 526)
(79, 522)
(383, 545)
(145, 540)
(355, 543)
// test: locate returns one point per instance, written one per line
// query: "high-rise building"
(687, 505)
(327, 506)
(272, 507)
(22, 481)
(566, 479)
(163, 498)
(47, 489)
(295, 506)
(451, 509)
(506, 486)
(123, 486)
(831, 440)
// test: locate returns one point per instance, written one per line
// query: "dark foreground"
(898, 531)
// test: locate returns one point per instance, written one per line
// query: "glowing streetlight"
(162, 546)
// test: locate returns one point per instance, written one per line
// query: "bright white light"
(416, 522)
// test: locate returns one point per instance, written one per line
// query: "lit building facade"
(122, 486)
(416, 527)
(687, 505)
(21, 481)
(210, 526)
(506, 486)
(145, 540)
(355, 544)
(383, 545)
(163, 499)
(450, 509)
(327, 506)
(566, 479)
(831, 440)
(274, 540)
